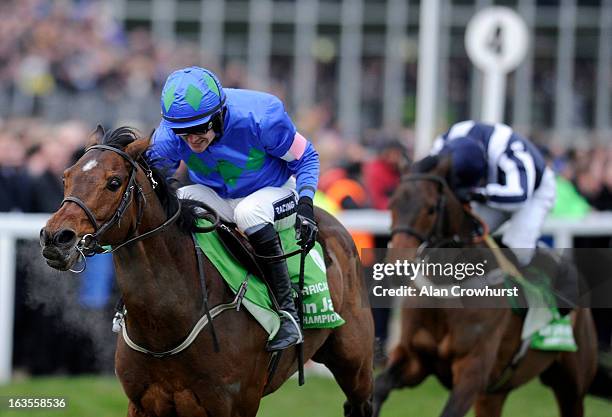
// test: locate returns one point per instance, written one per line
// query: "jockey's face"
(198, 142)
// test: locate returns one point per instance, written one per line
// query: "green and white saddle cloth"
(543, 324)
(318, 307)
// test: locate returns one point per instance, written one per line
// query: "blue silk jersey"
(260, 147)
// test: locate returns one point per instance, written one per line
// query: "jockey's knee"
(250, 217)
(523, 254)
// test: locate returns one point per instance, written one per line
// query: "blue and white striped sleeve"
(438, 144)
(518, 168)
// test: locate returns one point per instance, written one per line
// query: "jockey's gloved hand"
(467, 194)
(305, 226)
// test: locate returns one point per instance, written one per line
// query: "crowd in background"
(69, 59)
(67, 66)
(66, 59)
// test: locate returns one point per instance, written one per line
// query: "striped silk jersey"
(514, 165)
(259, 148)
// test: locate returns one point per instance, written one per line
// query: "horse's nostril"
(44, 237)
(65, 237)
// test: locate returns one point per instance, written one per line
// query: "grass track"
(320, 397)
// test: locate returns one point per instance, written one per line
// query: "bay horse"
(157, 274)
(470, 350)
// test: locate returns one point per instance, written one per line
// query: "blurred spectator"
(47, 166)
(590, 171)
(16, 192)
(341, 185)
(382, 174)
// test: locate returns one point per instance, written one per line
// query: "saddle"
(548, 264)
(238, 246)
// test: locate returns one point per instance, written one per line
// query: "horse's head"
(423, 208)
(103, 198)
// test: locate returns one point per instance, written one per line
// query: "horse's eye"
(431, 210)
(113, 184)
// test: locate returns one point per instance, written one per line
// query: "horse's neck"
(458, 221)
(159, 282)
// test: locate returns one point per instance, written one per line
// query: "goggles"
(196, 130)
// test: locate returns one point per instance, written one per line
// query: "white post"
(494, 96)
(476, 79)
(212, 15)
(604, 61)
(163, 18)
(304, 69)
(429, 22)
(496, 40)
(118, 10)
(260, 43)
(349, 84)
(7, 300)
(564, 82)
(12, 225)
(523, 79)
(395, 61)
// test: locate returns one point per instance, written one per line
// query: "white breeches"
(274, 205)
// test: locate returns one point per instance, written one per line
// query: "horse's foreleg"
(490, 405)
(564, 382)
(351, 362)
(470, 374)
(404, 369)
(134, 412)
(572, 373)
(354, 375)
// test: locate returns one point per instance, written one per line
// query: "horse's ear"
(136, 148)
(425, 165)
(443, 168)
(96, 137)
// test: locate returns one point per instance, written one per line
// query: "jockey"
(505, 177)
(248, 162)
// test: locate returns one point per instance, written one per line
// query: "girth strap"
(204, 320)
(207, 316)
(205, 310)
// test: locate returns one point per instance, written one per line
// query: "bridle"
(435, 235)
(88, 245)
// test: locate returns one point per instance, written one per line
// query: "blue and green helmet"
(190, 97)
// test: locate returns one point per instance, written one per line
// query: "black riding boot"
(267, 243)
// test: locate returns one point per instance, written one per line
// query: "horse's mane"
(166, 187)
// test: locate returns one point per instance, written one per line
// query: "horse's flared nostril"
(65, 237)
(45, 238)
